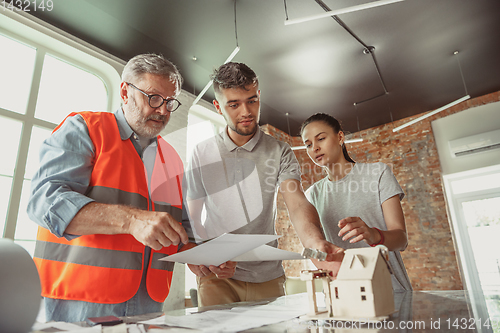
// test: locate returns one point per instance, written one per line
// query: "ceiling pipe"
(367, 49)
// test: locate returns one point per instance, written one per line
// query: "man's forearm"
(306, 222)
(154, 229)
(98, 218)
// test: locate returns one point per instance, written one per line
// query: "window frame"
(460, 233)
(47, 39)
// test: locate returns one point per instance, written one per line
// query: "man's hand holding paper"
(223, 271)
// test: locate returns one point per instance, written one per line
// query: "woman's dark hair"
(333, 123)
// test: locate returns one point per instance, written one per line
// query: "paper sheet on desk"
(229, 247)
(240, 318)
(64, 327)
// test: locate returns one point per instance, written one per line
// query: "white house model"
(363, 287)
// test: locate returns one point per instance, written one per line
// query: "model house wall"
(363, 287)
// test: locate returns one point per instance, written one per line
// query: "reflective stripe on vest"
(108, 268)
(90, 256)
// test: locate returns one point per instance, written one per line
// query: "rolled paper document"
(20, 288)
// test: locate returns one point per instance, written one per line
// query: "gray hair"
(151, 64)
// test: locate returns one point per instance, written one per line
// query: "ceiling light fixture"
(346, 141)
(290, 135)
(367, 49)
(449, 105)
(288, 123)
(360, 139)
(304, 147)
(354, 140)
(209, 84)
(432, 113)
(231, 56)
(341, 11)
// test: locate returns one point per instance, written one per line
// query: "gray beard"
(138, 122)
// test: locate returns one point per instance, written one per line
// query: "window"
(476, 198)
(14, 92)
(203, 124)
(473, 198)
(363, 297)
(26, 229)
(50, 79)
(58, 83)
(11, 129)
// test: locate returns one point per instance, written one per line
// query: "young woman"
(358, 203)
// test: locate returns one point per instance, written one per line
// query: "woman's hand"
(355, 227)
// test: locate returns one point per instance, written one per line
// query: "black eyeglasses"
(155, 101)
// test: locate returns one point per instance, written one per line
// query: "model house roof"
(360, 264)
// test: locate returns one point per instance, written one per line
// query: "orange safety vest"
(108, 268)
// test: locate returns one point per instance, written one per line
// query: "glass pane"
(65, 88)
(5, 184)
(11, 131)
(25, 228)
(38, 135)
(483, 222)
(493, 305)
(16, 63)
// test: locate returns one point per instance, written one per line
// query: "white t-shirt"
(238, 188)
(360, 193)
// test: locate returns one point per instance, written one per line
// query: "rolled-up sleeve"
(58, 187)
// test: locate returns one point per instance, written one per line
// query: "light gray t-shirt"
(238, 188)
(360, 193)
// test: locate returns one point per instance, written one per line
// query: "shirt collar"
(249, 146)
(124, 128)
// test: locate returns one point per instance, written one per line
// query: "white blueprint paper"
(240, 318)
(220, 249)
(266, 252)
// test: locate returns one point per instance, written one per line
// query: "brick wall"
(430, 258)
